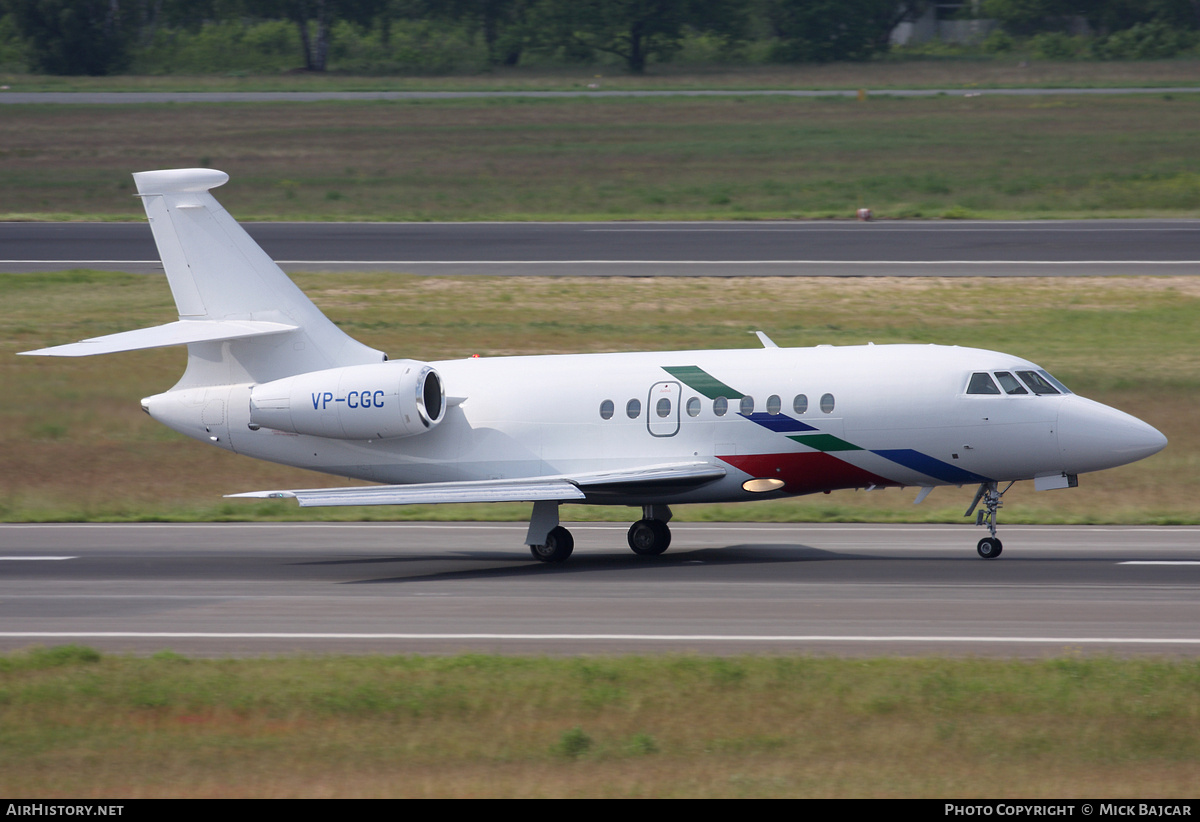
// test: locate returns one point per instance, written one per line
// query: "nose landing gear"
(990, 495)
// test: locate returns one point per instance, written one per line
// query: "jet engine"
(358, 402)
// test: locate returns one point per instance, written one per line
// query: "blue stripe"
(929, 466)
(780, 423)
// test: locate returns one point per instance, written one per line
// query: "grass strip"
(612, 158)
(75, 723)
(1007, 71)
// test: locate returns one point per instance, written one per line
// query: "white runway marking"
(1159, 562)
(980, 263)
(958, 228)
(35, 559)
(750, 638)
(714, 262)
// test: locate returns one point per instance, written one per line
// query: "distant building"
(944, 21)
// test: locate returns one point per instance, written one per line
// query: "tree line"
(96, 37)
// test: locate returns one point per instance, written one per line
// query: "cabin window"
(982, 383)
(606, 410)
(633, 409)
(747, 406)
(693, 407)
(1010, 384)
(827, 403)
(774, 404)
(663, 408)
(720, 406)
(800, 404)
(1036, 382)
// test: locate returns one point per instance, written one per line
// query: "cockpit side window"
(1062, 388)
(1036, 382)
(1010, 384)
(982, 383)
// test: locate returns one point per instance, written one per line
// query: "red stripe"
(807, 472)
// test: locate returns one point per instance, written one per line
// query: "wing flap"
(532, 489)
(430, 493)
(159, 336)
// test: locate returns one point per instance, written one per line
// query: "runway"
(858, 590)
(721, 249)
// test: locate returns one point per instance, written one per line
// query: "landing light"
(762, 485)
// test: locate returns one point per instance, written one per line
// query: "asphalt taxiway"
(714, 249)
(227, 589)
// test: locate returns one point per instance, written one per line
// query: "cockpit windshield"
(982, 383)
(1038, 382)
(1010, 384)
(1062, 389)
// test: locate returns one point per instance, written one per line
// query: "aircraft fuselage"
(818, 419)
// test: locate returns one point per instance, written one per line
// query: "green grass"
(898, 72)
(677, 158)
(75, 446)
(74, 723)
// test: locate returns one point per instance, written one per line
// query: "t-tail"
(241, 318)
(244, 322)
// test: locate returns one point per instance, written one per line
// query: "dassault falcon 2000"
(269, 376)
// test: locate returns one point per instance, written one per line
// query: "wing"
(562, 487)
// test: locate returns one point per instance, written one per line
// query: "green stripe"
(825, 442)
(700, 380)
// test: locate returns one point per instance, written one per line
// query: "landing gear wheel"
(559, 545)
(649, 537)
(989, 547)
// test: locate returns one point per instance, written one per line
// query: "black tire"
(649, 537)
(989, 547)
(559, 545)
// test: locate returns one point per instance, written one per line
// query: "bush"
(998, 42)
(1145, 41)
(267, 46)
(1053, 45)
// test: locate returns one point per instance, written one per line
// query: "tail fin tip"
(178, 180)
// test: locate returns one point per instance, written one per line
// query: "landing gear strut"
(989, 494)
(650, 535)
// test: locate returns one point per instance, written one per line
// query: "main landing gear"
(557, 546)
(649, 537)
(989, 494)
(550, 542)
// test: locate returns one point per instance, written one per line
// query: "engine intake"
(359, 402)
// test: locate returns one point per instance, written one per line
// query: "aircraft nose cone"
(1094, 437)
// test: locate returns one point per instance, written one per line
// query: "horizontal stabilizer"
(532, 489)
(176, 333)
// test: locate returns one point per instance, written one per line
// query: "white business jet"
(269, 376)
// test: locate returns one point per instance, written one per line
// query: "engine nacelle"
(358, 402)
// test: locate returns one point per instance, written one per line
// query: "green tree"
(635, 30)
(1106, 16)
(72, 36)
(314, 19)
(824, 30)
(1026, 17)
(501, 22)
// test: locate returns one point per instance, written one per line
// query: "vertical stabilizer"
(218, 273)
